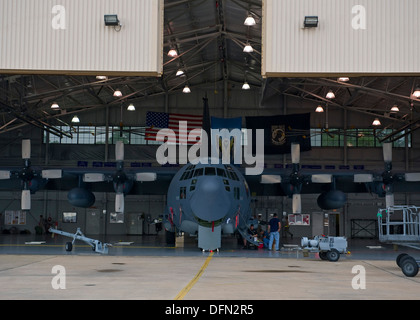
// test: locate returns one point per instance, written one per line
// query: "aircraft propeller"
(294, 182)
(122, 181)
(31, 180)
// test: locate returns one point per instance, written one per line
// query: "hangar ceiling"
(209, 37)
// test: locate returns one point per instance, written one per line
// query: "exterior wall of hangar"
(352, 38)
(71, 37)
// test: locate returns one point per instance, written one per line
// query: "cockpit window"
(198, 172)
(189, 175)
(210, 171)
(221, 172)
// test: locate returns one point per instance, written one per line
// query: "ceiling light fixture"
(180, 72)
(248, 48)
(376, 122)
(117, 93)
(416, 92)
(250, 21)
(246, 86)
(131, 107)
(319, 109)
(330, 95)
(186, 89)
(101, 78)
(172, 53)
(55, 106)
(343, 79)
(75, 119)
(395, 108)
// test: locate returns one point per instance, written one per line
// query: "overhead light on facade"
(246, 86)
(101, 78)
(117, 93)
(250, 21)
(330, 95)
(343, 79)
(376, 122)
(111, 20)
(310, 22)
(55, 106)
(319, 109)
(131, 107)
(179, 73)
(75, 119)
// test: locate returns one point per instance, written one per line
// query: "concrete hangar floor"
(145, 268)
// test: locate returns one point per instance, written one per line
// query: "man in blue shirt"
(274, 230)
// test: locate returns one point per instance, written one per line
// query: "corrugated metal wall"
(353, 37)
(72, 38)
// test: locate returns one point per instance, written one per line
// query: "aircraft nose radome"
(210, 201)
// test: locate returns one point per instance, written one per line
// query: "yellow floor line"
(188, 287)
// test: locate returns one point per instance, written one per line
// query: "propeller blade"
(26, 200)
(321, 178)
(146, 176)
(297, 203)
(119, 202)
(412, 177)
(295, 153)
(93, 177)
(26, 149)
(52, 174)
(389, 200)
(270, 179)
(387, 151)
(363, 177)
(119, 151)
(4, 175)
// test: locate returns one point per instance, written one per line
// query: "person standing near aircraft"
(274, 227)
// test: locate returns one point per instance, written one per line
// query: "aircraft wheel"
(69, 246)
(333, 255)
(399, 258)
(409, 266)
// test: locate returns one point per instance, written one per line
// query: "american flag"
(160, 120)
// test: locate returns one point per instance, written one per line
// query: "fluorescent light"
(117, 93)
(75, 119)
(186, 90)
(248, 48)
(330, 95)
(172, 53)
(246, 86)
(55, 106)
(250, 21)
(131, 107)
(319, 109)
(376, 122)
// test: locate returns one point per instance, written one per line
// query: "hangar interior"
(209, 37)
